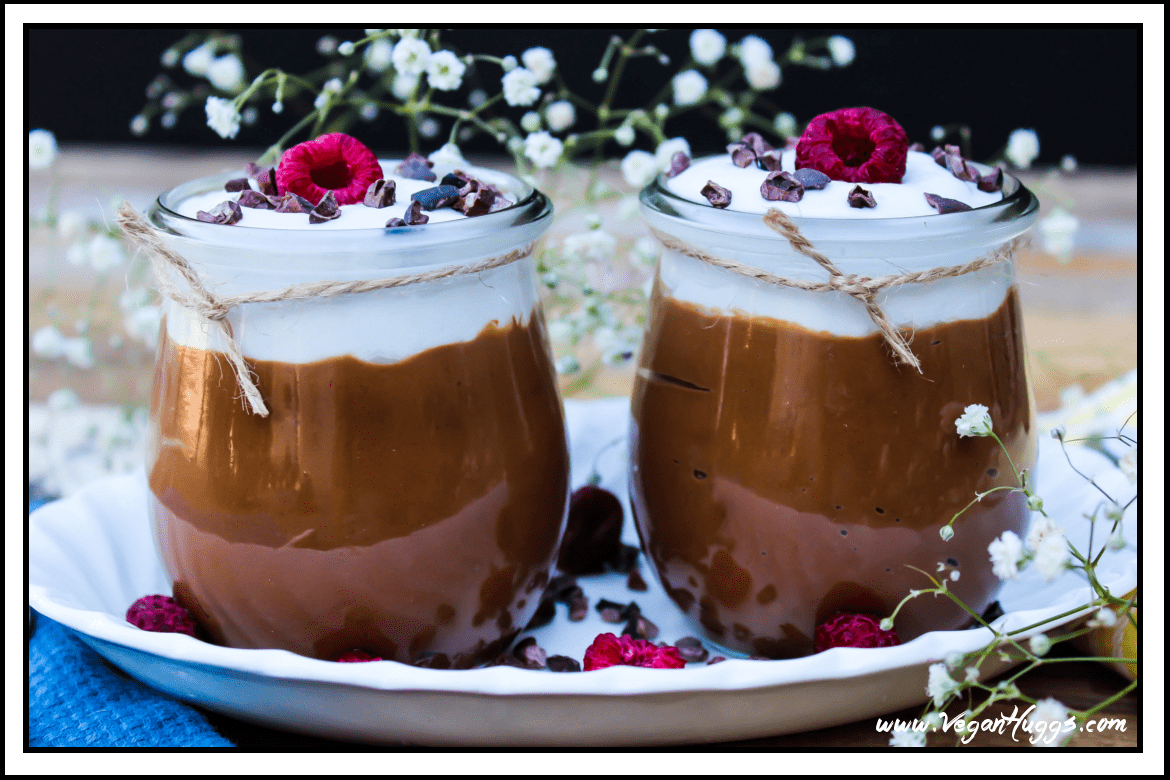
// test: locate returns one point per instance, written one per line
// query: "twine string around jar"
(864, 288)
(192, 295)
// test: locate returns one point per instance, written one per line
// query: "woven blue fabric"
(75, 699)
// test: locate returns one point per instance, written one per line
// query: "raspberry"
(335, 162)
(860, 145)
(161, 614)
(850, 630)
(610, 650)
(357, 657)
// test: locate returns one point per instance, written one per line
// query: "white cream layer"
(923, 174)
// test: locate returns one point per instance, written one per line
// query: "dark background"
(1078, 87)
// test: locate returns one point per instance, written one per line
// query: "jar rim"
(526, 219)
(1015, 212)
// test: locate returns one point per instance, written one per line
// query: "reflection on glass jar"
(784, 468)
(407, 490)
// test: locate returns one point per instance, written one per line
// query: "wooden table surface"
(1080, 322)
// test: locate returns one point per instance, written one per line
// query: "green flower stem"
(272, 154)
(1115, 697)
(979, 497)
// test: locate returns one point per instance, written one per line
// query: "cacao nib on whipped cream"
(922, 175)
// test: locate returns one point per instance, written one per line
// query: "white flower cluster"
(1023, 147)
(707, 46)
(760, 70)
(1058, 233)
(940, 686)
(974, 421)
(543, 149)
(49, 343)
(639, 168)
(42, 149)
(223, 117)
(1007, 552)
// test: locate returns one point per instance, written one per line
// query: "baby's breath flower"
(707, 46)
(477, 98)
(520, 87)
(326, 45)
(277, 107)
(1058, 233)
(1041, 529)
(645, 251)
(940, 686)
(1006, 552)
(445, 71)
(886, 624)
(404, 86)
(732, 117)
(1104, 618)
(543, 149)
(509, 63)
(1117, 540)
(105, 252)
(540, 62)
(954, 575)
(1058, 432)
(667, 150)
(907, 738)
(689, 88)
(379, 55)
(763, 75)
(754, 50)
(168, 119)
(62, 400)
(328, 90)
(77, 254)
(971, 673)
(222, 117)
(841, 50)
(937, 133)
(624, 135)
(1039, 644)
(48, 343)
(139, 125)
(1052, 714)
(411, 56)
(78, 352)
(143, 324)
(560, 115)
(198, 60)
(567, 365)
(600, 75)
(429, 127)
(42, 149)
(592, 245)
(71, 224)
(618, 346)
(785, 124)
(226, 73)
(1035, 503)
(1023, 147)
(345, 48)
(947, 533)
(530, 122)
(369, 111)
(448, 154)
(1129, 465)
(1068, 164)
(169, 58)
(974, 421)
(639, 168)
(661, 111)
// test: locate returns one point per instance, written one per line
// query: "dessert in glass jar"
(403, 488)
(788, 463)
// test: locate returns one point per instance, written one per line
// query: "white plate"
(91, 555)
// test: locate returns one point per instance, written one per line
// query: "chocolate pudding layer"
(780, 475)
(402, 509)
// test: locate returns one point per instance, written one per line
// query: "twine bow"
(213, 309)
(863, 288)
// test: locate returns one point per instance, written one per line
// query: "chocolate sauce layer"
(401, 509)
(780, 476)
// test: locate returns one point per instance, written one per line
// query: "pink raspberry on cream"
(860, 145)
(335, 163)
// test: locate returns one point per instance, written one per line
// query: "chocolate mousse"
(410, 510)
(781, 476)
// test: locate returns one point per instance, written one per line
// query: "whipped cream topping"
(353, 217)
(923, 175)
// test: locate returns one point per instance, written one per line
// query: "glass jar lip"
(664, 209)
(534, 210)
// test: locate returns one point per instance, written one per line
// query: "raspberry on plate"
(860, 145)
(852, 630)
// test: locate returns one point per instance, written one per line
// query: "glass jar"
(784, 468)
(406, 493)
